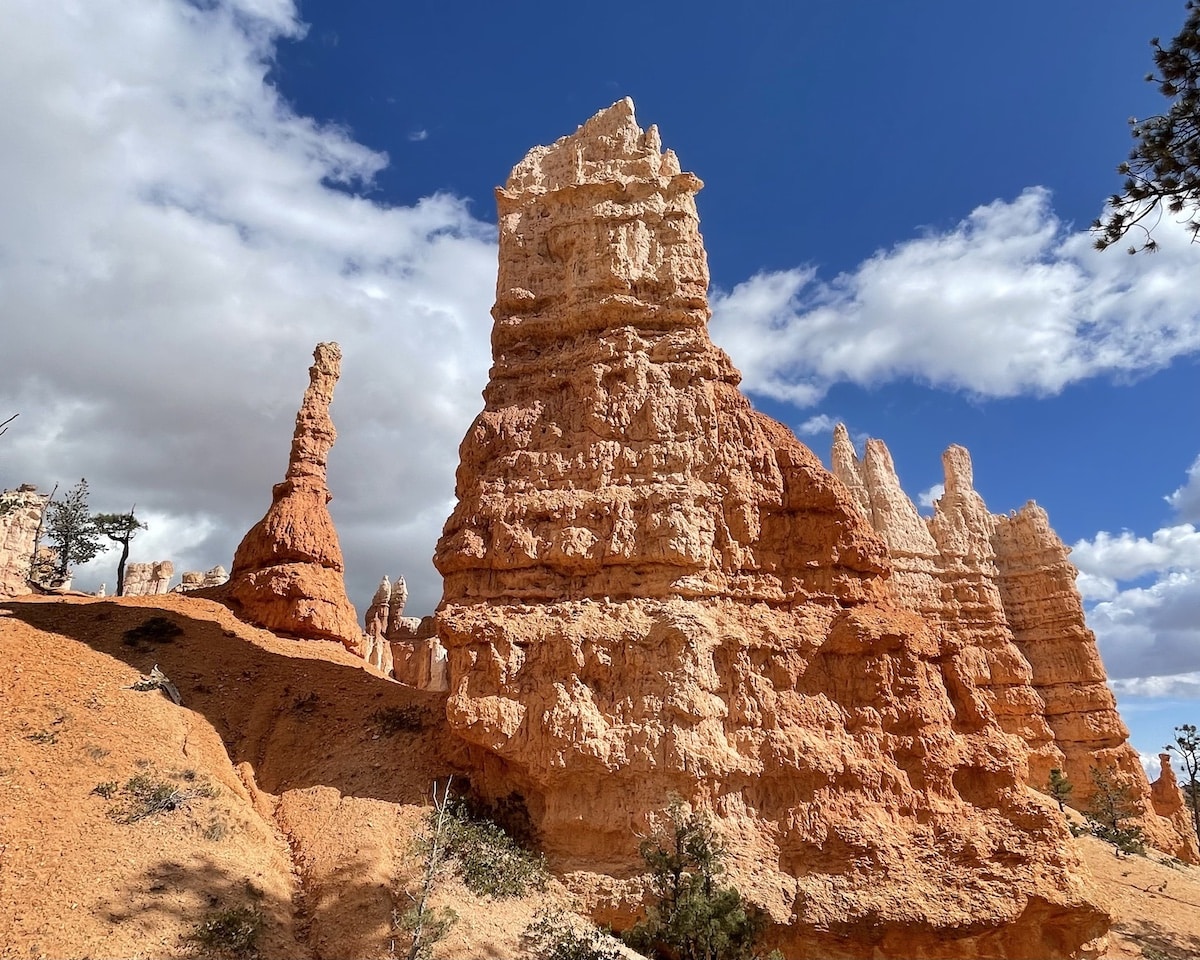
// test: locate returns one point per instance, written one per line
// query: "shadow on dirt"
(299, 721)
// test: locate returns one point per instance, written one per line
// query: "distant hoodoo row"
(1002, 593)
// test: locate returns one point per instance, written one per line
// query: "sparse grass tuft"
(107, 790)
(232, 932)
(215, 831)
(144, 795)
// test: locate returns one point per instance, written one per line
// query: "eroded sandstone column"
(651, 589)
(945, 570)
(287, 572)
(18, 534)
(1037, 583)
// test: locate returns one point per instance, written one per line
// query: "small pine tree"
(693, 917)
(70, 530)
(119, 528)
(1060, 788)
(1163, 169)
(1111, 805)
(1187, 745)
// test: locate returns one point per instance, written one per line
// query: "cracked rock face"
(287, 572)
(651, 589)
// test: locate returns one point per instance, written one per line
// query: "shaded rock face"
(652, 589)
(1002, 593)
(23, 509)
(1037, 582)
(148, 579)
(288, 570)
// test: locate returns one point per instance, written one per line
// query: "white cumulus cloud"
(1009, 301)
(926, 498)
(1147, 618)
(1186, 499)
(170, 252)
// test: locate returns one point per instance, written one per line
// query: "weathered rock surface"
(1002, 593)
(652, 589)
(945, 570)
(1037, 583)
(1169, 803)
(377, 649)
(148, 579)
(288, 570)
(19, 520)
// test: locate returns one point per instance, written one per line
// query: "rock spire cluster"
(1002, 593)
(651, 589)
(287, 573)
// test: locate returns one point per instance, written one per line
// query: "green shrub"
(489, 861)
(144, 795)
(1111, 807)
(556, 935)
(232, 932)
(693, 917)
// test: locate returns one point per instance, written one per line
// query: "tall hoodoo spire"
(287, 571)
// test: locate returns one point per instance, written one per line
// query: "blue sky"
(895, 213)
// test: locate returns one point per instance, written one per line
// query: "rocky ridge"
(651, 589)
(1001, 592)
(287, 572)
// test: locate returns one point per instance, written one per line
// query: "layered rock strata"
(1037, 584)
(20, 516)
(945, 570)
(287, 572)
(651, 589)
(1002, 593)
(148, 579)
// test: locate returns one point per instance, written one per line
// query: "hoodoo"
(287, 572)
(1001, 591)
(651, 589)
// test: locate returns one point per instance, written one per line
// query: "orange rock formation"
(287, 571)
(1043, 605)
(945, 570)
(652, 589)
(1002, 593)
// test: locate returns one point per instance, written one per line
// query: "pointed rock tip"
(956, 464)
